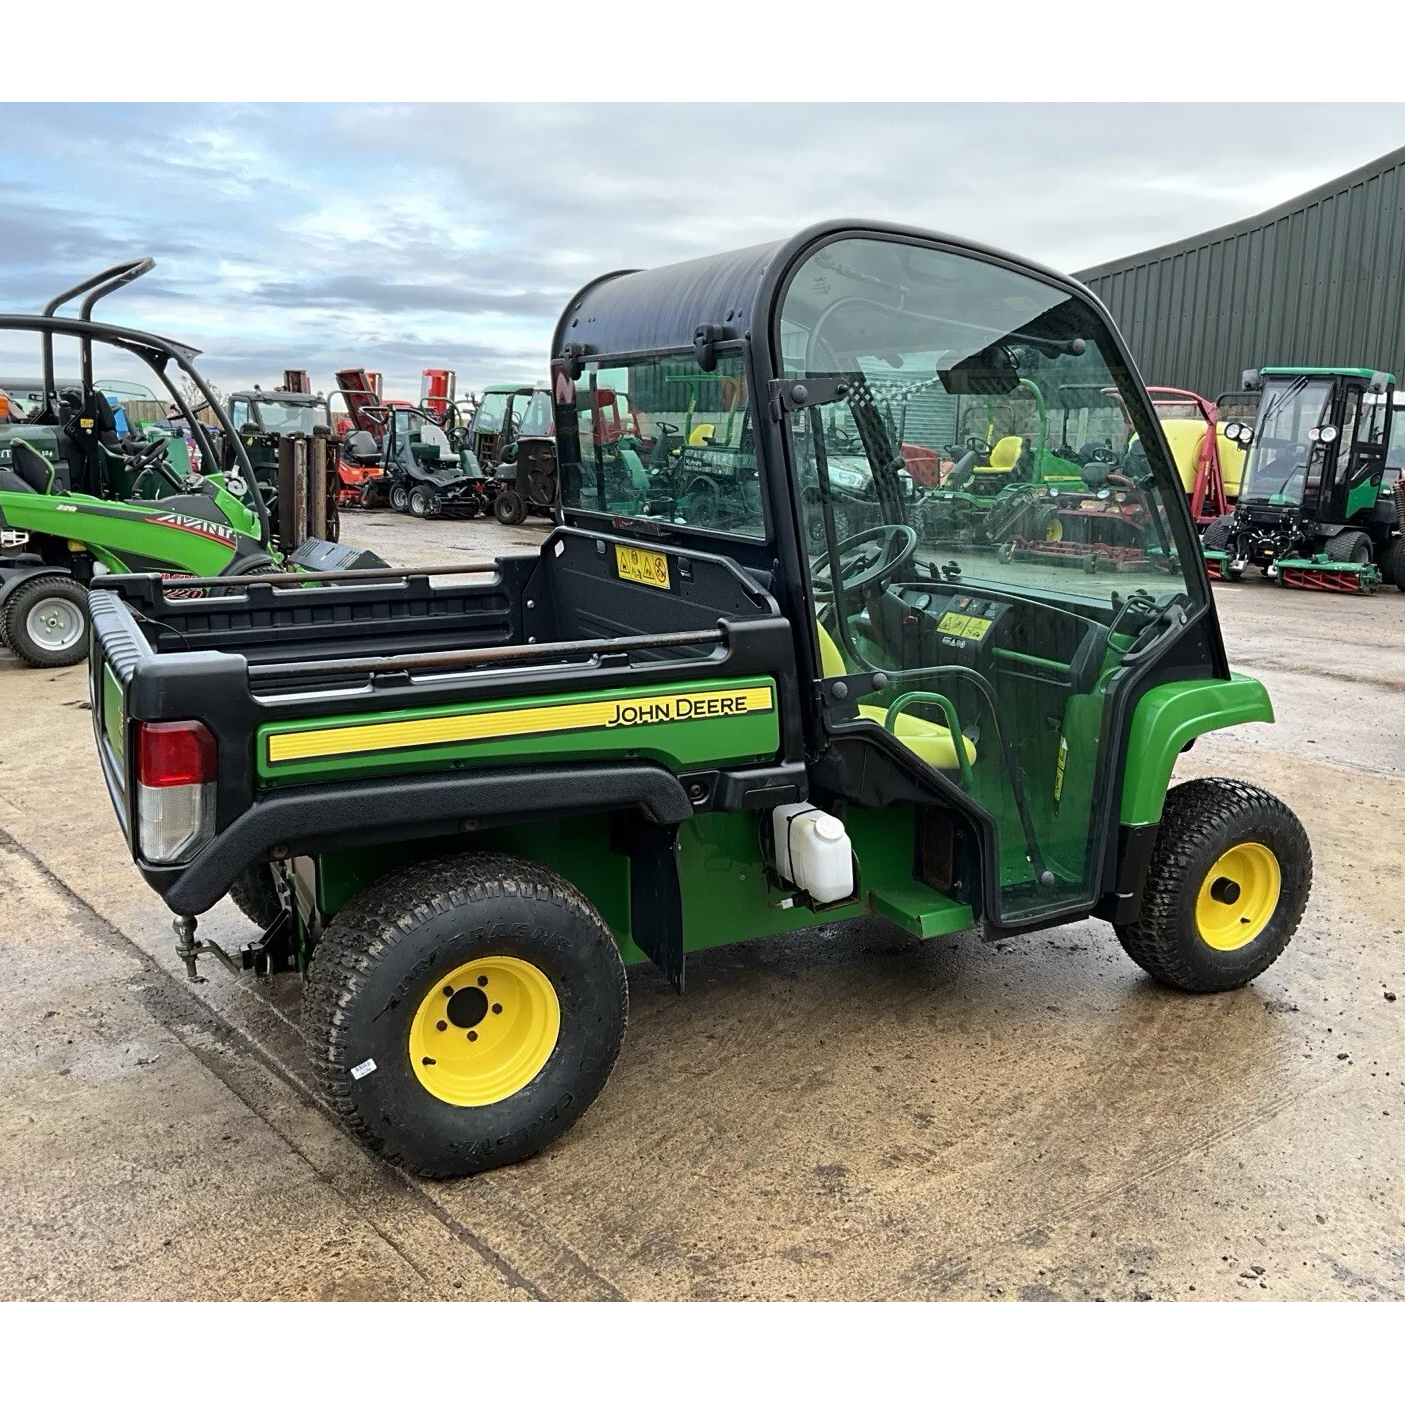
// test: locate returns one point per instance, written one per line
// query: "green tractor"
(463, 807)
(94, 503)
(1320, 502)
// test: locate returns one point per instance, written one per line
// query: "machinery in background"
(1209, 463)
(1320, 500)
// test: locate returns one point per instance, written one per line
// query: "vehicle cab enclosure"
(702, 667)
(1320, 479)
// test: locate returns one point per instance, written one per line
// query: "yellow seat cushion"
(700, 435)
(1006, 453)
(929, 740)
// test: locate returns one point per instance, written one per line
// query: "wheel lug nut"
(497, 1009)
(482, 980)
(441, 1024)
(472, 1035)
(448, 990)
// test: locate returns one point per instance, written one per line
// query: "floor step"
(921, 910)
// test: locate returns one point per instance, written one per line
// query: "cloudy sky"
(398, 237)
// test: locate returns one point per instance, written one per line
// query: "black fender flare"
(12, 577)
(310, 819)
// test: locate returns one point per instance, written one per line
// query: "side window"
(1395, 452)
(239, 413)
(687, 452)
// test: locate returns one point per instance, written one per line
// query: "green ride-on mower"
(523, 476)
(464, 802)
(95, 504)
(1320, 500)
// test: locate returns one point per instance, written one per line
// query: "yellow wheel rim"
(485, 1031)
(1238, 897)
(1054, 532)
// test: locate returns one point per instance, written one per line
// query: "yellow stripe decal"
(519, 722)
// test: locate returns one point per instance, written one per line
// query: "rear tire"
(509, 508)
(399, 497)
(420, 503)
(402, 985)
(1225, 890)
(46, 622)
(255, 894)
(1393, 564)
(1218, 533)
(1354, 547)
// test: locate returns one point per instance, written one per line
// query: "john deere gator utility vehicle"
(1320, 500)
(469, 805)
(95, 503)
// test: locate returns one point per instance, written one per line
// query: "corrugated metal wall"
(1314, 281)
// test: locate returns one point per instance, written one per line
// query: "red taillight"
(175, 753)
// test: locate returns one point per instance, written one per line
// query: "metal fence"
(1314, 281)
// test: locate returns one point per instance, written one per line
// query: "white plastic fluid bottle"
(813, 851)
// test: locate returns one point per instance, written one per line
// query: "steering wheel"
(152, 456)
(979, 445)
(867, 558)
(1102, 454)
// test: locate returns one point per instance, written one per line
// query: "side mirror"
(1251, 380)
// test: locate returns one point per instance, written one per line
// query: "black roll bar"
(117, 275)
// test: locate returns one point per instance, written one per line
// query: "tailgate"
(117, 647)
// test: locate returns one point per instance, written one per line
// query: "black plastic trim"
(310, 819)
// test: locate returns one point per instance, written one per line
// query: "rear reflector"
(177, 766)
(175, 753)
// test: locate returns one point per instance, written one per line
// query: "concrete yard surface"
(848, 1113)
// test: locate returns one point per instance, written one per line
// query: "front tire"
(509, 508)
(399, 497)
(1354, 547)
(420, 503)
(1228, 880)
(1218, 533)
(462, 1013)
(46, 622)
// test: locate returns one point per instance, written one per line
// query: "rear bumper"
(312, 819)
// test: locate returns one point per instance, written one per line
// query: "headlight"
(1330, 433)
(1232, 430)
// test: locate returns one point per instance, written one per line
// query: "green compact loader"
(95, 503)
(463, 802)
(1320, 499)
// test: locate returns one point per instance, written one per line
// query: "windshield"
(1000, 408)
(1277, 466)
(278, 417)
(537, 421)
(659, 438)
(489, 419)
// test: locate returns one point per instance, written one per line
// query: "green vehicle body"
(631, 717)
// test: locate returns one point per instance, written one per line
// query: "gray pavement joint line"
(185, 1009)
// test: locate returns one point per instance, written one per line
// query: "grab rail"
(370, 573)
(508, 653)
